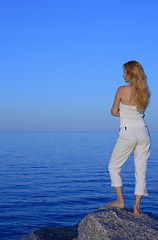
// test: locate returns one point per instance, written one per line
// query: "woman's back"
(127, 95)
(129, 115)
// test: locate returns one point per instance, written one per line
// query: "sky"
(61, 62)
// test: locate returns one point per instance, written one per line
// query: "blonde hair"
(138, 79)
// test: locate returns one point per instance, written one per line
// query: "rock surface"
(51, 233)
(109, 223)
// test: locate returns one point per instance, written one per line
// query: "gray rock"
(106, 223)
(109, 223)
(29, 236)
(51, 233)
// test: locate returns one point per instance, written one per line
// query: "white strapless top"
(130, 117)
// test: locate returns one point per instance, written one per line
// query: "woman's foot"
(117, 204)
(136, 206)
(136, 210)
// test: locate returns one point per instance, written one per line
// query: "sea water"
(55, 179)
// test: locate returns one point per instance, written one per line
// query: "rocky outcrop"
(107, 223)
(51, 233)
(114, 224)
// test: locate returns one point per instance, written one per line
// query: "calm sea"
(55, 179)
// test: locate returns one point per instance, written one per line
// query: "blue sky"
(61, 62)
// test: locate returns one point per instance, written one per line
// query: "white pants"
(129, 139)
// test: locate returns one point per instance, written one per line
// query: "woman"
(129, 104)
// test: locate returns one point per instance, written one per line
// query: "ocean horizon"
(56, 178)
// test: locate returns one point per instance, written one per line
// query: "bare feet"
(117, 204)
(136, 210)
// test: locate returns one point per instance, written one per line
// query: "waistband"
(132, 128)
(130, 123)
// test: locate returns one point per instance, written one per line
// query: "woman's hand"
(115, 112)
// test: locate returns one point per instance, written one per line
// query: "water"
(55, 179)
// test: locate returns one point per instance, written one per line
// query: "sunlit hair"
(138, 79)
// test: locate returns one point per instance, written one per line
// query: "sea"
(56, 179)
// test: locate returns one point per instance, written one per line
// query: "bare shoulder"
(122, 89)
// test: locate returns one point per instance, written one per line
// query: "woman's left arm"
(115, 111)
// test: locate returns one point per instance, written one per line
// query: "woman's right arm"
(115, 111)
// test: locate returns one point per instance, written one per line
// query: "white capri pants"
(130, 139)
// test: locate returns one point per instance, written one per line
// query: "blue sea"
(55, 179)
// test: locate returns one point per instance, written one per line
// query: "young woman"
(129, 104)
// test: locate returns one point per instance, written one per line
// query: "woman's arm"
(115, 111)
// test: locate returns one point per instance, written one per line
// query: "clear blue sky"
(61, 61)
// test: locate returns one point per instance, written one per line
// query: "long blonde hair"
(138, 79)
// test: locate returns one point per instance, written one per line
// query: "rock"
(51, 233)
(108, 223)
(29, 236)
